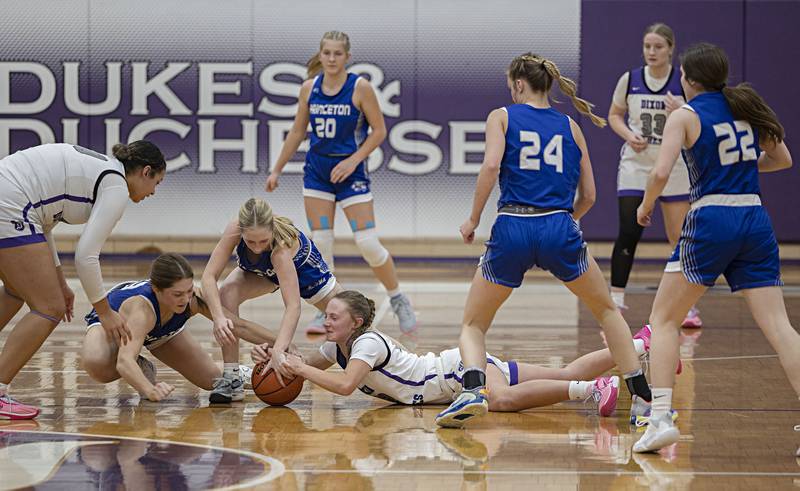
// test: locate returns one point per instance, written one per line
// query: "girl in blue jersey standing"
(272, 253)
(540, 158)
(341, 106)
(648, 94)
(729, 135)
(156, 311)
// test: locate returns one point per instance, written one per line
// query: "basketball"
(269, 390)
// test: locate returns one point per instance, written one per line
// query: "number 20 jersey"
(338, 128)
(724, 159)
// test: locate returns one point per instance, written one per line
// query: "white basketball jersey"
(60, 180)
(647, 110)
(397, 375)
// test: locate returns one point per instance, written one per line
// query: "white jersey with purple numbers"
(645, 98)
(400, 376)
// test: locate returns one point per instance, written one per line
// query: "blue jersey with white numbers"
(123, 291)
(541, 163)
(724, 159)
(338, 128)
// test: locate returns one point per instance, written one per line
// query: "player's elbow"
(661, 175)
(345, 388)
(379, 133)
(588, 197)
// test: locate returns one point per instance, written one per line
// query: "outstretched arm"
(249, 331)
(342, 383)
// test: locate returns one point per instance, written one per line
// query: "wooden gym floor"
(737, 411)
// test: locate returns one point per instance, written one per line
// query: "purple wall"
(757, 35)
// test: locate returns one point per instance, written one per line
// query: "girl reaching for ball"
(379, 366)
(156, 310)
(272, 253)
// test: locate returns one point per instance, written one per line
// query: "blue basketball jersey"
(263, 265)
(338, 128)
(724, 159)
(541, 163)
(123, 291)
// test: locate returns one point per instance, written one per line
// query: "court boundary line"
(549, 472)
(276, 466)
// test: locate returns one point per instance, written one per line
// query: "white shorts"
(19, 222)
(453, 369)
(634, 169)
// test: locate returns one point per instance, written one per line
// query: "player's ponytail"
(314, 64)
(139, 154)
(707, 65)
(167, 269)
(540, 74)
(256, 212)
(570, 89)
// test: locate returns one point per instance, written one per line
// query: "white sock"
(394, 292)
(618, 298)
(638, 345)
(230, 369)
(662, 402)
(3, 389)
(579, 390)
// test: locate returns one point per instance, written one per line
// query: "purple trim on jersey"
(414, 383)
(629, 192)
(637, 83)
(677, 197)
(513, 371)
(21, 241)
(410, 382)
(68, 197)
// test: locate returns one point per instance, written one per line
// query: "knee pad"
(371, 248)
(323, 239)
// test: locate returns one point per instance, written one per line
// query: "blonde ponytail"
(570, 89)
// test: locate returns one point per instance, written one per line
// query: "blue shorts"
(552, 242)
(315, 278)
(317, 181)
(735, 241)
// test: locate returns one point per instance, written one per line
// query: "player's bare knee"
(99, 370)
(500, 400)
(51, 308)
(229, 296)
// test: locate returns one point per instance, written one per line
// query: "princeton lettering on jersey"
(330, 109)
(653, 104)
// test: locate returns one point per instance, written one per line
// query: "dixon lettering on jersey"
(651, 104)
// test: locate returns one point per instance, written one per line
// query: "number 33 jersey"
(724, 159)
(338, 128)
(647, 115)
